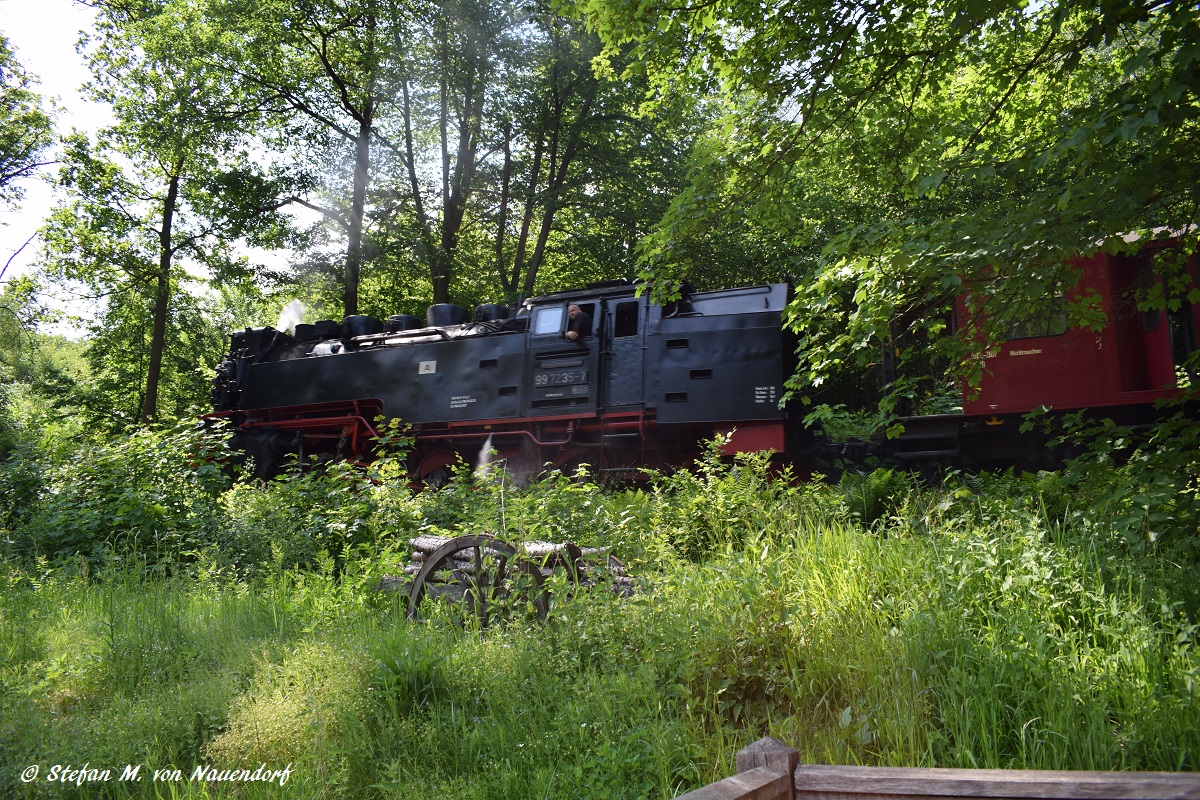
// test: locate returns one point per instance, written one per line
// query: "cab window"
(626, 323)
(548, 321)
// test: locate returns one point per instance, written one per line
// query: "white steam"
(483, 462)
(291, 316)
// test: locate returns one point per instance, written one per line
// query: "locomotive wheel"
(436, 478)
(436, 468)
(481, 575)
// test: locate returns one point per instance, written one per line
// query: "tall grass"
(963, 626)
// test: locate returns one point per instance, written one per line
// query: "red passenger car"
(1131, 363)
(1137, 358)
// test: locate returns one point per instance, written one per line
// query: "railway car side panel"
(1132, 361)
(717, 369)
(1144, 341)
(458, 380)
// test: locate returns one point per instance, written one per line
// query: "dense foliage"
(398, 154)
(25, 126)
(886, 159)
(158, 606)
(171, 179)
(906, 153)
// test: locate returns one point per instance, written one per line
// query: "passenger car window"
(1047, 317)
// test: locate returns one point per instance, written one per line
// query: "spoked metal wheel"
(483, 577)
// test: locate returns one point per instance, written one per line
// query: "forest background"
(879, 156)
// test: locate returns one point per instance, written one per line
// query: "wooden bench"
(770, 770)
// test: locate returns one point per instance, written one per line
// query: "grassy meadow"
(155, 614)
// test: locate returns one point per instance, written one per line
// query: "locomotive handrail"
(489, 329)
(515, 432)
(411, 334)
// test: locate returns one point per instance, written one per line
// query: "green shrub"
(149, 493)
(1049, 654)
(1140, 485)
(292, 519)
(963, 626)
(720, 504)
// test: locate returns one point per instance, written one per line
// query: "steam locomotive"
(638, 386)
(643, 384)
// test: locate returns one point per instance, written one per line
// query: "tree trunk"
(461, 183)
(535, 173)
(509, 288)
(362, 166)
(557, 178)
(162, 298)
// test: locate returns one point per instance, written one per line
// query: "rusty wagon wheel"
(482, 575)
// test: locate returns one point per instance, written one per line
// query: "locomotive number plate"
(566, 378)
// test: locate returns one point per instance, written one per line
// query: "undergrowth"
(986, 622)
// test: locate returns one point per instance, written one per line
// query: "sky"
(43, 33)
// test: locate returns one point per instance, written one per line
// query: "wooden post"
(774, 754)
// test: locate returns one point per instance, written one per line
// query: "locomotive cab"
(562, 374)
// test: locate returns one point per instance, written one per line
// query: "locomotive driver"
(580, 325)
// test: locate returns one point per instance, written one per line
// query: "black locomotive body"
(640, 388)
